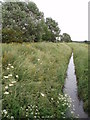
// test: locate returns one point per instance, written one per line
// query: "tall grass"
(32, 79)
(81, 64)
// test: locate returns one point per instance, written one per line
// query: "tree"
(24, 17)
(66, 37)
(52, 30)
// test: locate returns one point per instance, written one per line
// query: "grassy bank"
(81, 65)
(32, 80)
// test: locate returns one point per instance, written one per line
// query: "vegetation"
(32, 79)
(24, 22)
(66, 37)
(81, 64)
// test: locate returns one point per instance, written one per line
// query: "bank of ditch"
(80, 51)
(32, 79)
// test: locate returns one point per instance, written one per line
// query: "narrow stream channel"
(70, 88)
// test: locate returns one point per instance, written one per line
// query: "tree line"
(24, 22)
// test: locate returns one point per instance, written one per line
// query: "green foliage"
(27, 24)
(23, 20)
(66, 37)
(52, 31)
(11, 35)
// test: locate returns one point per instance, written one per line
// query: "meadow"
(33, 76)
(80, 51)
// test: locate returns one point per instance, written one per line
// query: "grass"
(80, 51)
(32, 79)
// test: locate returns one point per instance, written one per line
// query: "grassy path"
(32, 80)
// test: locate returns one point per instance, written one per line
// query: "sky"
(71, 15)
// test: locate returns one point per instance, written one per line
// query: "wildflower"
(10, 85)
(35, 116)
(63, 116)
(6, 93)
(24, 28)
(10, 75)
(12, 117)
(13, 82)
(16, 76)
(6, 77)
(5, 111)
(6, 87)
(37, 110)
(8, 68)
(36, 113)
(62, 113)
(42, 94)
(66, 95)
(72, 112)
(51, 98)
(9, 64)
(26, 109)
(69, 106)
(38, 59)
(12, 67)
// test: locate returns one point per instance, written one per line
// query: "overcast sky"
(71, 15)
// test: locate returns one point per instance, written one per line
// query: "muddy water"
(70, 88)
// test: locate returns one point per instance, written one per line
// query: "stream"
(70, 88)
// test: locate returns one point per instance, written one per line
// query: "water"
(70, 88)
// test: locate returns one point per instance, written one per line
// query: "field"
(32, 79)
(81, 65)
(33, 76)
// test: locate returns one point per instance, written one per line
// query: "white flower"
(9, 64)
(16, 76)
(72, 112)
(6, 87)
(8, 68)
(10, 75)
(35, 116)
(66, 95)
(6, 93)
(10, 85)
(51, 98)
(4, 111)
(38, 59)
(62, 113)
(24, 28)
(6, 77)
(42, 94)
(12, 67)
(63, 116)
(12, 117)
(26, 109)
(13, 82)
